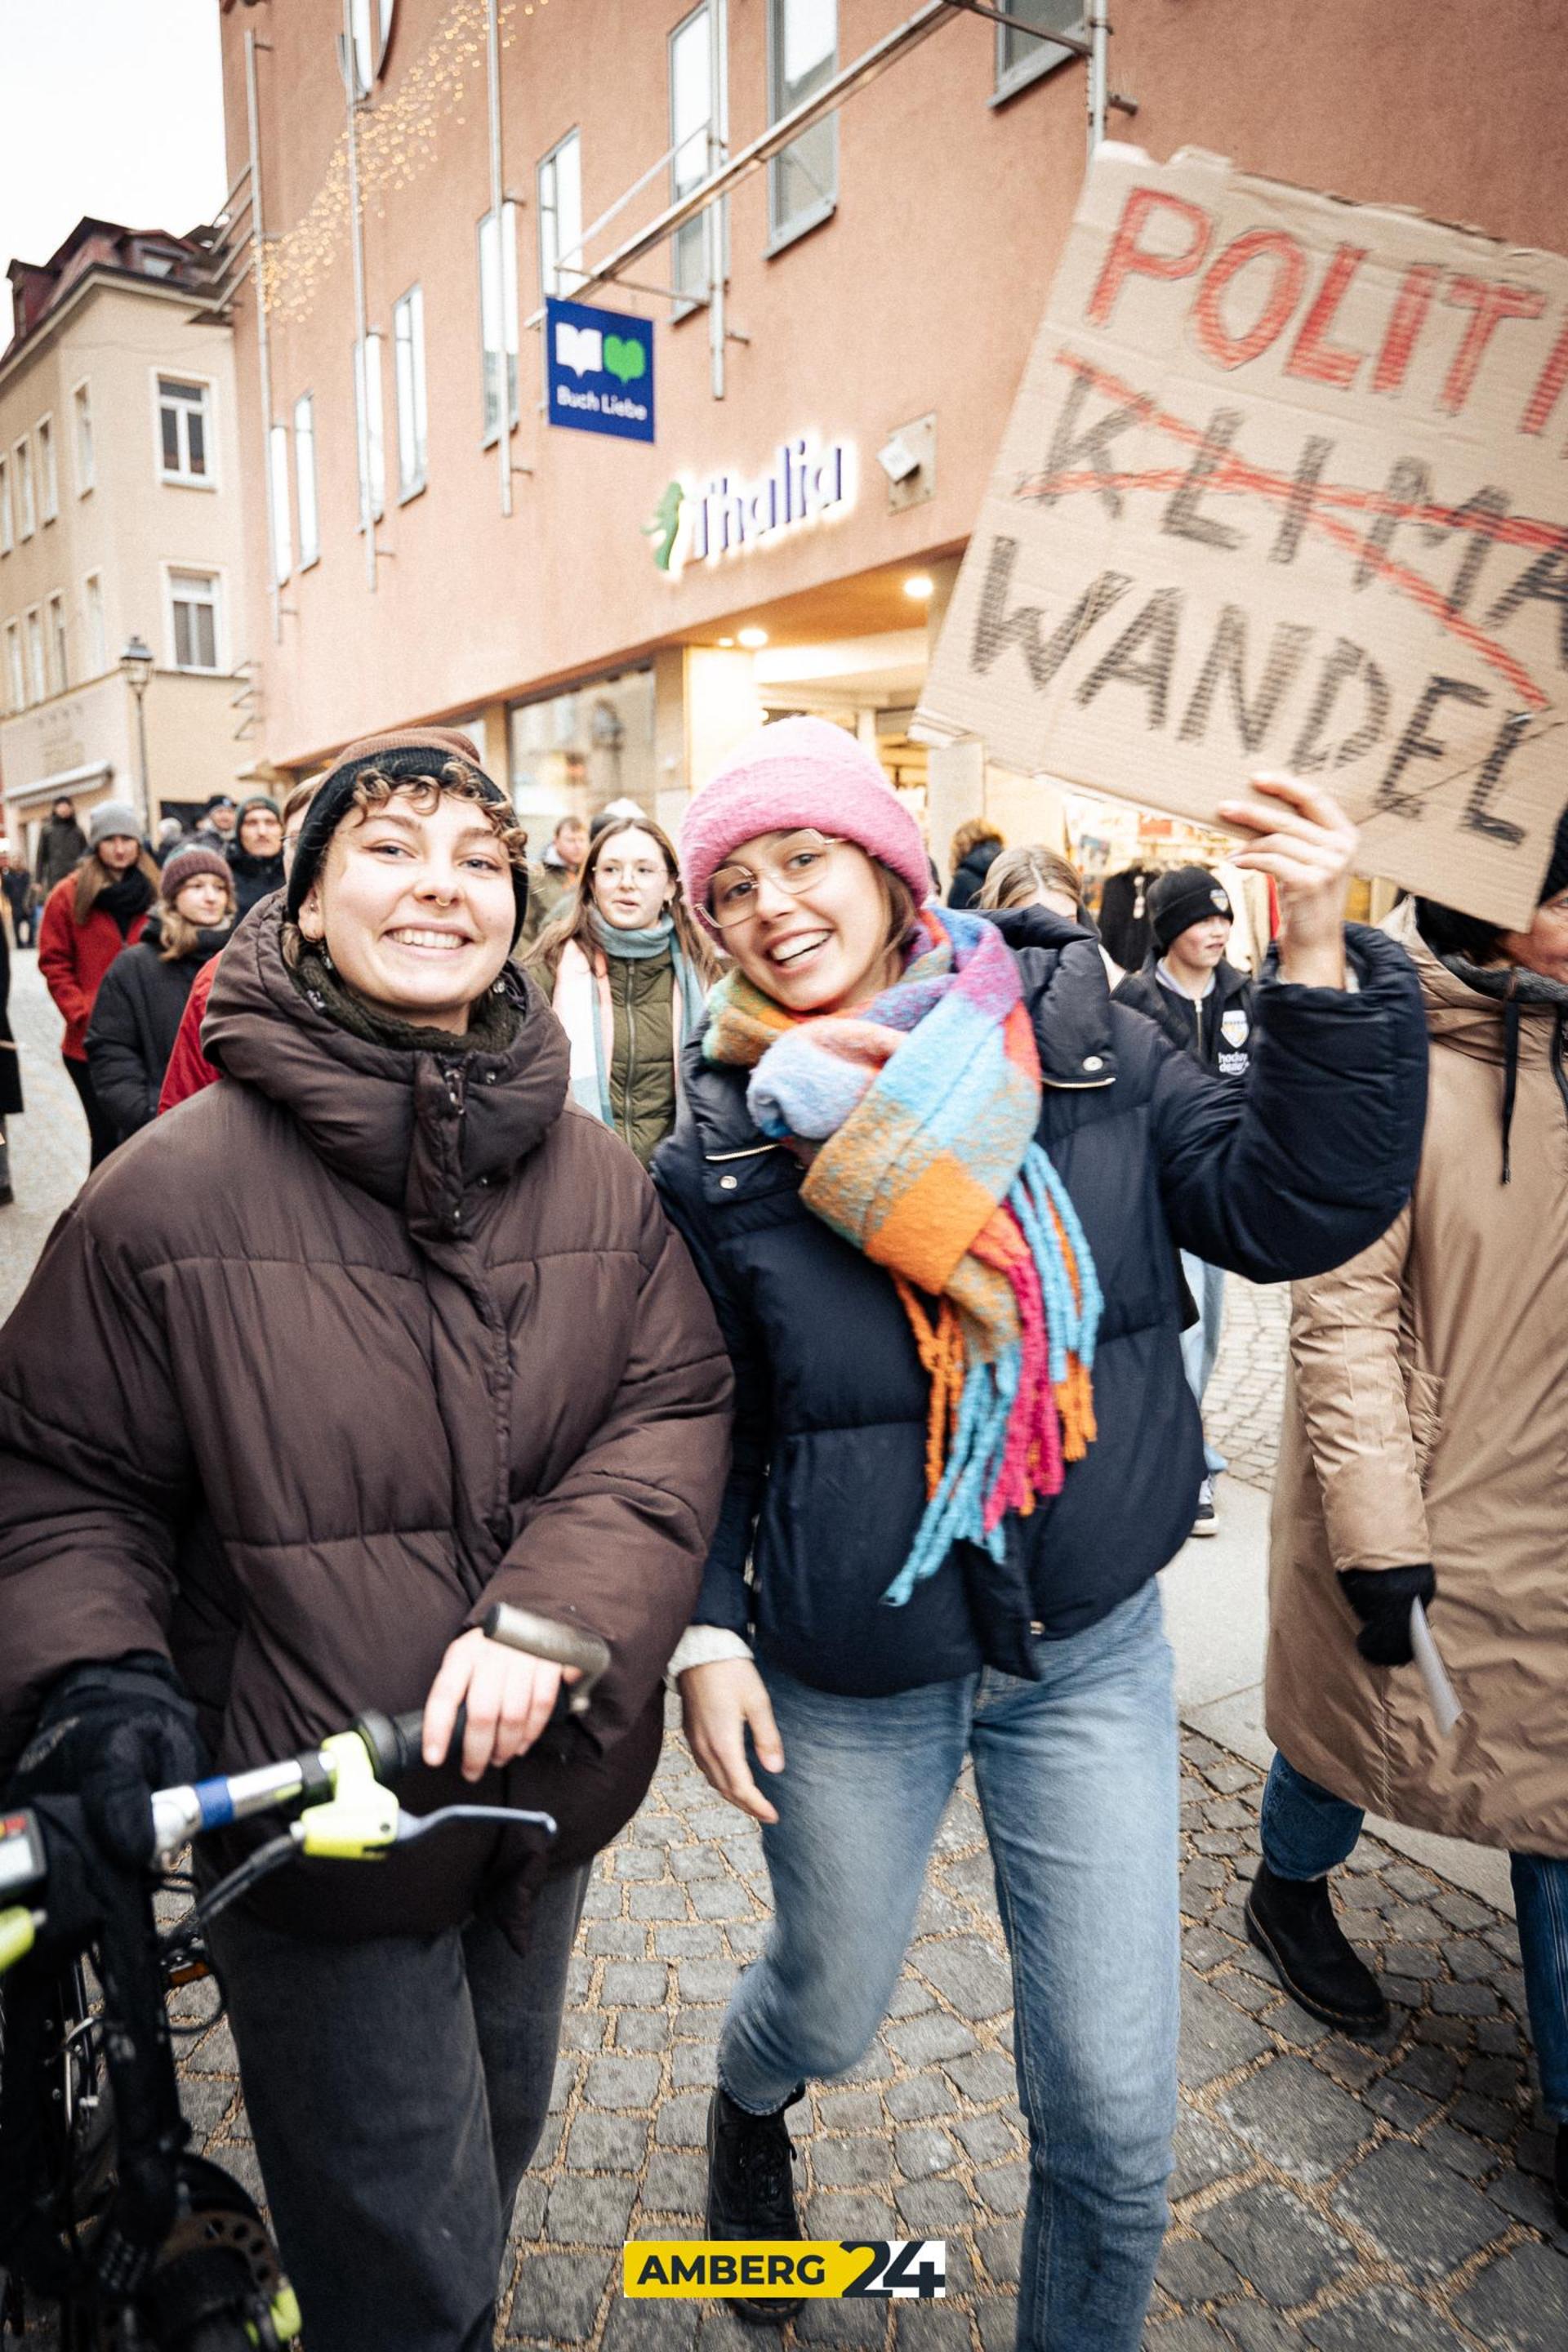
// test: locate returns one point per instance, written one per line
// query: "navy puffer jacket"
(1291, 1173)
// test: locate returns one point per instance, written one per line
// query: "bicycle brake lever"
(416, 1826)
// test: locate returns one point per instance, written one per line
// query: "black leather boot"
(1292, 1923)
(751, 2193)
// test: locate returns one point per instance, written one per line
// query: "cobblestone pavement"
(1328, 2195)
(1247, 1389)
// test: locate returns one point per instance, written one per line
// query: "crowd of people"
(870, 1421)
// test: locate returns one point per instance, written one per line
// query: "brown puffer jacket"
(325, 1362)
(1427, 1420)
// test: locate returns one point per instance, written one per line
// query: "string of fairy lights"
(397, 140)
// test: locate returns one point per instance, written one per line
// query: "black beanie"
(1187, 895)
(405, 755)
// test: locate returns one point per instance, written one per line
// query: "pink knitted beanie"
(799, 771)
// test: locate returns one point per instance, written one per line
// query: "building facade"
(120, 518)
(724, 508)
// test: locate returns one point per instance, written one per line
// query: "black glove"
(111, 1734)
(79, 1885)
(1381, 1598)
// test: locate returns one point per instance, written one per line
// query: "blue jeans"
(1307, 1833)
(1077, 1776)
(1200, 1343)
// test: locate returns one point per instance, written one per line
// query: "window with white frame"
(305, 481)
(561, 218)
(38, 679)
(497, 318)
(1023, 57)
(49, 469)
(7, 539)
(27, 520)
(97, 635)
(697, 130)
(408, 361)
(16, 678)
(370, 429)
(184, 430)
(278, 493)
(802, 54)
(81, 421)
(194, 619)
(60, 658)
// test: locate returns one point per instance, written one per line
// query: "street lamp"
(136, 668)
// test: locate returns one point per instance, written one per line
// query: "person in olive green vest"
(554, 879)
(628, 973)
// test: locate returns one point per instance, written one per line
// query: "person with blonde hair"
(1038, 876)
(627, 970)
(137, 1016)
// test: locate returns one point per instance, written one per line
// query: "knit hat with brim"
(414, 752)
(799, 771)
(110, 818)
(188, 865)
(1188, 894)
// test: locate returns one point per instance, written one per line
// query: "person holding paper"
(1426, 1461)
(935, 1181)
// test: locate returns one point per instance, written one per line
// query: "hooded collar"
(1468, 1006)
(417, 1128)
(1500, 1014)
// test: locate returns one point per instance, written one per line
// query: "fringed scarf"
(917, 1113)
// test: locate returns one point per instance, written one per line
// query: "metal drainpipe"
(1098, 36)
(263, 333)
(503, 406)
(356, 246)
(718, 130)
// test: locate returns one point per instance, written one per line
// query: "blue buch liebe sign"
(599, 370)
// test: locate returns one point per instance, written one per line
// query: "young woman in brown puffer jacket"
(374, 1334)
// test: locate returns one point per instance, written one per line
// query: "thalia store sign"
(809, 481)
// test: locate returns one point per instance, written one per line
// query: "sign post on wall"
(1283, 487)
(599, 370)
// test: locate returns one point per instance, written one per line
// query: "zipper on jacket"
(631, 1052)
(753, 1152)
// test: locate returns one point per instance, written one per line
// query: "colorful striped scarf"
(917, 1112)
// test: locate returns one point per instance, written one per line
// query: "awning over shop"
(66, 780)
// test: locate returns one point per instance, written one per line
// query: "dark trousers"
(23, 922)
(101, 1133)
(396, 2090)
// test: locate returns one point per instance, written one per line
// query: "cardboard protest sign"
(1284, 486)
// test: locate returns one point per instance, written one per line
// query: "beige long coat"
(1426, 1419)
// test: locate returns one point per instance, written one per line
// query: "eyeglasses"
(801, 860)
(641, 875)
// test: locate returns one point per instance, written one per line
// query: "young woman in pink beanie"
(935, 1182)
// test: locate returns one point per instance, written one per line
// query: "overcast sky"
(110, 107)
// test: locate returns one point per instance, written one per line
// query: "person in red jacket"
(88, 917)
(189, 1070)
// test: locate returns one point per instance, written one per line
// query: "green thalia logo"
(664, 526)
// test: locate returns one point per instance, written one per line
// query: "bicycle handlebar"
(391, 1743)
